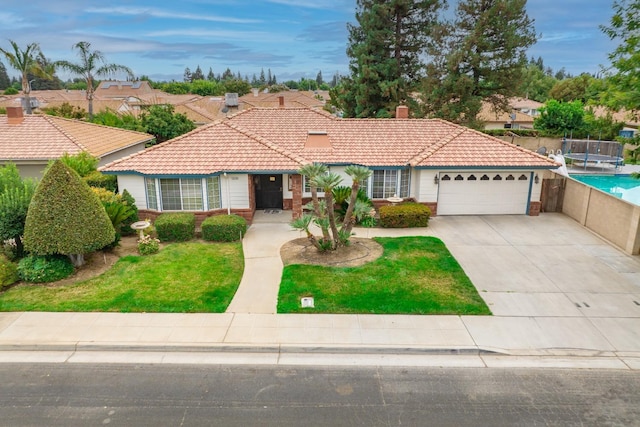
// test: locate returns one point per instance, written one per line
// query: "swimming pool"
(622, 186)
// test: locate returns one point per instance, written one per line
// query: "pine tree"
(269, 77)
(384, 50)
(197, 74)
(210, 76)
(227, 74)
(187, 75)
(482, 57)
(263, 80)
(65, 217)
(319, 78)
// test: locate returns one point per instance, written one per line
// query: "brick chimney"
(402, 112)
(15, 115)
(281, 101)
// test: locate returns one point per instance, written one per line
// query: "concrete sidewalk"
(559, 294)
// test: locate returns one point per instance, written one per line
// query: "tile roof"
(41, 137)
(216, 147)
(272, 139)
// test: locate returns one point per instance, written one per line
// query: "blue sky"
(293, 38)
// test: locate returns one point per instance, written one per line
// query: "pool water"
(622, 186)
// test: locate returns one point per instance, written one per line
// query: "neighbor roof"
(41, 137)
(274, 139)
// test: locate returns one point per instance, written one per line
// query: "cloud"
(327, 32)
(9, 21)
(256, 36)
(317, 4)
(565, 37)
(157, 13)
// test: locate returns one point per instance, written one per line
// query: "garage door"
(483, 193)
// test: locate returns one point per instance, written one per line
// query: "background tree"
(572, 89)
(50, 81)
(15, 197)
(482, 57)
(187, 75)
(384, 50)
(92, 64)
(197, 74)
(65, 217)
(25, 61)
(624, 83)
(535, 83)
(5, 81)
(561, 118)
(319, 79)
(164, 124)
(67, 111)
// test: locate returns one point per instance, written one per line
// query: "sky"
(292, 38)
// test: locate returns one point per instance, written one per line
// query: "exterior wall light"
(536, 179)
(436, 180)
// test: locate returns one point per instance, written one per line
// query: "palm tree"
(25, 61)
(357, 174)
(92, 64)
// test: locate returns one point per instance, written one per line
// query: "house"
(249, 161)
(493, 119)
(30, 141)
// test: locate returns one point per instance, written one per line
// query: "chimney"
(402, 112)
(255, 91)
(14, 115)
(281, 101)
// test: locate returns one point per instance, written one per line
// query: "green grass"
(415, 275)
(181, 278)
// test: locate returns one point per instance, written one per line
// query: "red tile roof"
(41, 137)
(274, 139)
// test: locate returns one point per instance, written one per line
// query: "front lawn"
(415, 275)
(182, 278)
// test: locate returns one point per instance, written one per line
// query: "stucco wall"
(121, 153)
(613, 219)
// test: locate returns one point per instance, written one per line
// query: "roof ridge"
(267, 143)
(432, 149)
(161, 144)
(98, 125)
(51, 120)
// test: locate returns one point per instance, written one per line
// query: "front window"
(183, 194)
(387, 182)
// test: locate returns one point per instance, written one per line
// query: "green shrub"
(404, 215)
(148, 245)
(8, 272)
(224, 228)
(44, 268)
(125, 228)
(99, 180)
(178, 226)
(11, 91)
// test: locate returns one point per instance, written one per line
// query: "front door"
(268, 191)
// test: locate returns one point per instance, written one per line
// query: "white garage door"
(483, 193)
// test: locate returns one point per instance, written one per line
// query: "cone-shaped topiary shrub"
(65, 217)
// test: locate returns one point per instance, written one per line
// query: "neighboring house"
(526, 106)
(502, 120)
(30, 141)
(250, 161)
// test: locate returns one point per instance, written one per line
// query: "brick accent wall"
(296, 189)
(534, 208)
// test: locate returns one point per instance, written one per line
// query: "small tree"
(323, 214)
(15, 197)
(65, 217)
(164, 124)
(560, 117)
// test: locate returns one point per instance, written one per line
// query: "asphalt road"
(194, 395)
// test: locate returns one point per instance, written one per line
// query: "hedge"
(8, 272)
(176, 226)
(404, 215)
(224, 228)
(44, 268)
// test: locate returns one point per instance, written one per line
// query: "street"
(175, 395)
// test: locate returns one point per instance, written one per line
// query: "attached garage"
(484, 193)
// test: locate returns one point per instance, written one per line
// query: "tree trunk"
(77, 259)
(19, 246)
(347, 223)
(26, 89)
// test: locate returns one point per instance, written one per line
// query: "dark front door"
(268, 191)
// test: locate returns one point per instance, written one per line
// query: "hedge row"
(404, 215)
(176, 226)
(224, 228)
